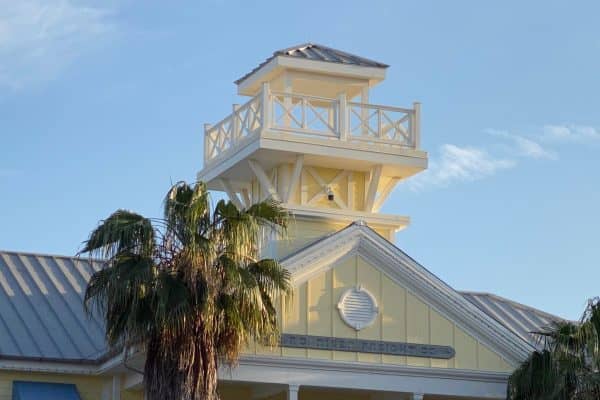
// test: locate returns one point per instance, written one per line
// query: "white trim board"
(366, 376)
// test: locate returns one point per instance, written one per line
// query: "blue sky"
(102, 106)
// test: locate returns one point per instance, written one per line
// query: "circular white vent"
(358, 307)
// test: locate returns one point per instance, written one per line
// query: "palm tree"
(567, 365)
(188, 289)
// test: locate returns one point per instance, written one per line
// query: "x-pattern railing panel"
(244, 122)
(389, 124)
(304, 113)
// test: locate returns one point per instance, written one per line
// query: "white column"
(236, 122)
(364, 114)
(208, 147)
(416, 125)
(266, 105)
(342, 116)
(287, 100)
(292, 393)
(417, 396)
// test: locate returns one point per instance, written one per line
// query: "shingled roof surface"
(318, 52)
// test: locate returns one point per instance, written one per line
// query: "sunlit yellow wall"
(403, 317)
(308, 187)
(89, 387)
(302, 232)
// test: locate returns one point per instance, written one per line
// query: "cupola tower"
(310, 137)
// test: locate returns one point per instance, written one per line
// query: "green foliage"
(189, 288)
(567, 365)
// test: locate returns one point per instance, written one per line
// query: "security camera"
(330, 195)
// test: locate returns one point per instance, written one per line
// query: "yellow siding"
(319, 311)
(352, 183)
(344, 276)
(294, 317)
(302, 232)
(403, 317)
(370, 279)
(89, 387)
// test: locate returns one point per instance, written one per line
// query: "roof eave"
(250, 84)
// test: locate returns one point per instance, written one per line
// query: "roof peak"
(317, 52)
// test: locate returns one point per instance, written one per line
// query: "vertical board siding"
(344, 276)
(370, 279)
(403, 317)
(295, 318)
(319, 311)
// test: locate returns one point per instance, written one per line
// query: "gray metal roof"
(41, 308)
(42, 315)
(519, 318)
(318, 52)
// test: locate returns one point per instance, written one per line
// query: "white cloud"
(458, 164)
(455, 164)
(38, 38)
(570, 133)
(522, 146)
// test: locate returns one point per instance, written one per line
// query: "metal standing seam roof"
(41, 309)
(42, 315)
(317, 52)
(517, 317)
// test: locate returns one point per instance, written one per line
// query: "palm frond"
(122, 231)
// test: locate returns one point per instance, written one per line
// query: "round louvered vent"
(357, 307)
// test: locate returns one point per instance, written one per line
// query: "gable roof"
(42, 315)
(519, 318)
(318, 52)
(359, 239)
(41, 309)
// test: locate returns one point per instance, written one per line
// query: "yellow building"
(366, 321)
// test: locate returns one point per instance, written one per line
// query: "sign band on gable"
(366, 346)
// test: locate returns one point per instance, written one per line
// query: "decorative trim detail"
(366, 346)
(358, 308)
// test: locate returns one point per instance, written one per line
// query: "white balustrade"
(382, 124)
(304, 115)
(241, 124)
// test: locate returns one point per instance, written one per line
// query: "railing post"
(266, 105)
(236, 121)
(416, 125)
(206, 143)
(342, 116)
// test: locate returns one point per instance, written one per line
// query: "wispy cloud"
(522, 146)
(454, 164)
(570, 133)
(458, 164)
(39, 38)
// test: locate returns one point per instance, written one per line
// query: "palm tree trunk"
(181, 369)
(208, 365)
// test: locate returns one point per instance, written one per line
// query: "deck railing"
(303, 115)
